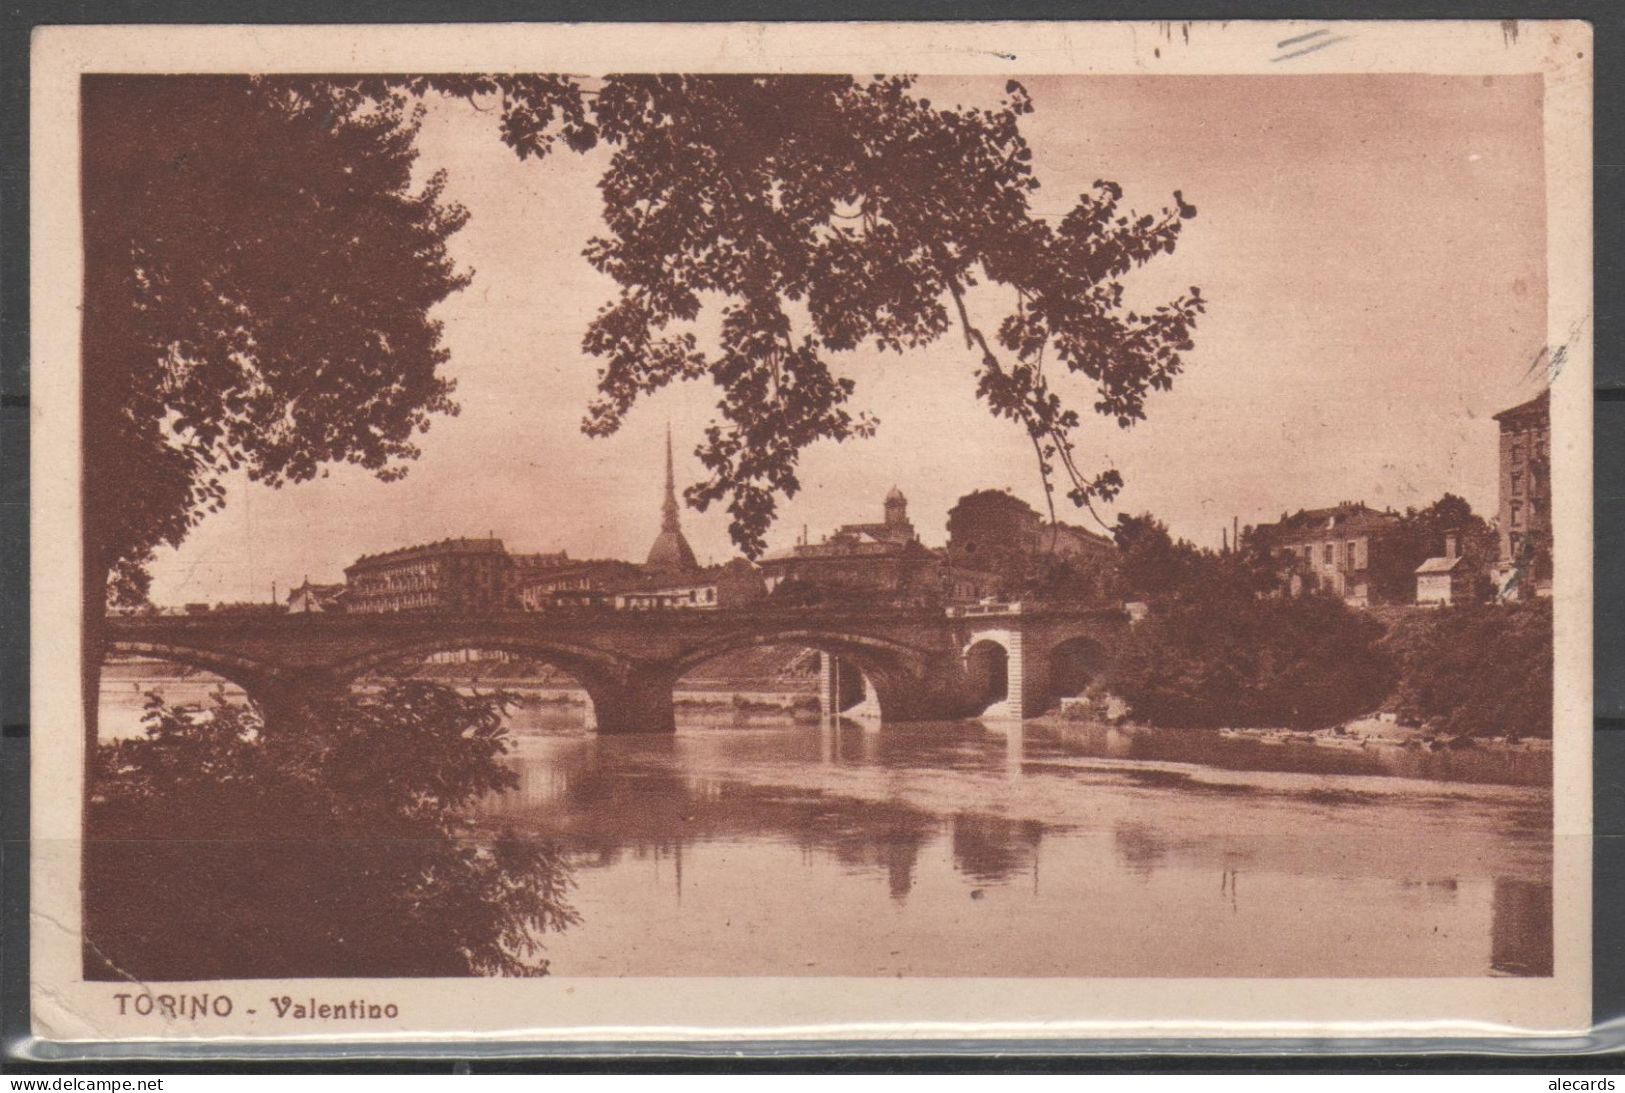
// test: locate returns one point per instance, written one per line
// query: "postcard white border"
(65, 1008)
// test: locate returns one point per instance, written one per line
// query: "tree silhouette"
(259, 273)
(827, 213)
(219, 849)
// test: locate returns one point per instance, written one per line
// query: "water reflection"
(1521, 932)
(964, 850)
(933, 838)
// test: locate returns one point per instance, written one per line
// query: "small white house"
(1443, 581)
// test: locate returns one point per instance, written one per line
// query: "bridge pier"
(641, 702)
(844, 690)
(886, 694)
(290, 705)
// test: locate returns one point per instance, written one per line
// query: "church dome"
(671, 553)
(895, 497)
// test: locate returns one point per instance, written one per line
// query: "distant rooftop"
(1346, 518)
(1539, 406)
(428, 550)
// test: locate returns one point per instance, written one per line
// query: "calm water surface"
(963, 849)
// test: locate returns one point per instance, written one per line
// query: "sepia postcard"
(583, 533)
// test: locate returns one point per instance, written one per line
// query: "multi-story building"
(450, 575)
(1524, 565)
(1338, 549)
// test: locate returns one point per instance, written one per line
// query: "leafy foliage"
(994, 531)
(1211, 658)
(827, 213)
(218, 849)
(1477, 670)
(260, 271)
(1420, 536)
(1218, 649)
(1157, 568)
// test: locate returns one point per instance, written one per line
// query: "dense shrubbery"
(1221, 647)
(218, 850)
(1217, 658)
(1480, 670)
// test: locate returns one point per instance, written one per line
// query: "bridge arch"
(580, 661)
(860, 648)
(1074, 663)
(593, 670)
(250, 675)
(987, 672)
(880, 674)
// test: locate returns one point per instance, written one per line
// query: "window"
(1517, 513)
(1517, 483)
(1349, 555)
(1517, 452)
(1331, 549)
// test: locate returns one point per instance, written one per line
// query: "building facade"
(1524, 564)
(450, 575)
(1337, 549)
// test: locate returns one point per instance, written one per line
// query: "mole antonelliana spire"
(671, 551)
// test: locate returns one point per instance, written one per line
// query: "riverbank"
(1361, 734)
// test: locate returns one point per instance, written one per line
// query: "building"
(996, 532)
(1524, 563)
(584, 583)
(526, 569)
(1338, 549)
(1445, 580)
(670, 552)
(713, 588)
(883, 559)
(450, 575)
(311, 598)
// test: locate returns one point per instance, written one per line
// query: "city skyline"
(1372, 377)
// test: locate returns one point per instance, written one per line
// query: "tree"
(1214, 658)
(1153, 565)
(1421, 535)
(996, 532)
(829, 213)
(259, 275)
(1477, 669)
(219, 850)
(260, 270)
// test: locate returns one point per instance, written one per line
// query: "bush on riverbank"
(334, 847)
(1480, 670)
(1220, 658)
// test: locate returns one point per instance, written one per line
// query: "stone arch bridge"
(901, 664)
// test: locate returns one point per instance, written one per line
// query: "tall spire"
(671, 551)
(668, 520)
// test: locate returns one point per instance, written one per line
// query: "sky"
(1372, 249)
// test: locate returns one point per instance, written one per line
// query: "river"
(937, 849)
